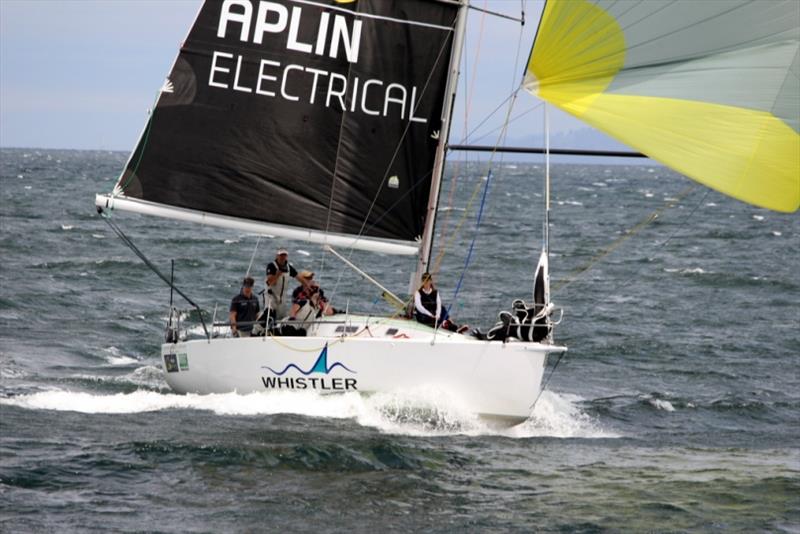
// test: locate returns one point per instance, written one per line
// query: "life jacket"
(428, 301)
(279, 290)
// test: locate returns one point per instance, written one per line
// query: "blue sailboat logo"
(320, 366)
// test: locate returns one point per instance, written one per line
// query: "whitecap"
(67, 227)
(710, 204)
(696, 270)
(229, 241)
(662, 405)
(115, 357)
(121, 360)
(147, 376)
(29, 187)
(776, 233)
(98, 236)
(303, 252)
(7, 372)
(758, 217)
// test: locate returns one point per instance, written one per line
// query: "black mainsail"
(323, 116)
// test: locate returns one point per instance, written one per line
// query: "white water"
(422, 412)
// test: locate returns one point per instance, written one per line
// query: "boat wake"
(422, 412)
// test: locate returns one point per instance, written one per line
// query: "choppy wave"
(116, 358)
(148, 377)
(423, 412)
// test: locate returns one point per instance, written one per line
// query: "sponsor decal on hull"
(321, 383)
(174, 362)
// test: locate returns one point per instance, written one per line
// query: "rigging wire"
(513, 119)
(468, 92)
(125, 239)
(468, 258)
(253, 257)
(467, 261)
(653, 216)
(394, 156)
(511, 100)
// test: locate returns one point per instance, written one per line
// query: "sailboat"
(328, 121)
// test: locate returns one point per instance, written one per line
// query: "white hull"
(493, 379)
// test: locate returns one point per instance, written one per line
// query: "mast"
(546, 236)
(441, 148)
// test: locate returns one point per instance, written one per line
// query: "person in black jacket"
(244, 310)
(428, 307)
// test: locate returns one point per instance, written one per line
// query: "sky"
(82, 74)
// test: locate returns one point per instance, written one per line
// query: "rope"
(276, 339)
(653, 216)
(511, 100)
(469, 92)
(544, 384)
(616, 244)
(674, 233)
(468, 258)
(686, 219)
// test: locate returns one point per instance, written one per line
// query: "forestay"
(709, 88)
(316, 119)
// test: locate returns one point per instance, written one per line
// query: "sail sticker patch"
(183, 361)
(171, 363)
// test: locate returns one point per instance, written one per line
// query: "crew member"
(244, 310)
(278, 274)
(428, 307)
(308, 299)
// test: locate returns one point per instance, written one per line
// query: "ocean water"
(676, 408)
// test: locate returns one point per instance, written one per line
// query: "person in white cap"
(278, 274)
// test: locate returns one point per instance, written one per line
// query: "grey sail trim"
(386, 246)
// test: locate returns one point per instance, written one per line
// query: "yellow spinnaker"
(710, 89)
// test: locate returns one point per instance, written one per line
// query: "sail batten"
(710, 89)
(316, 115)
